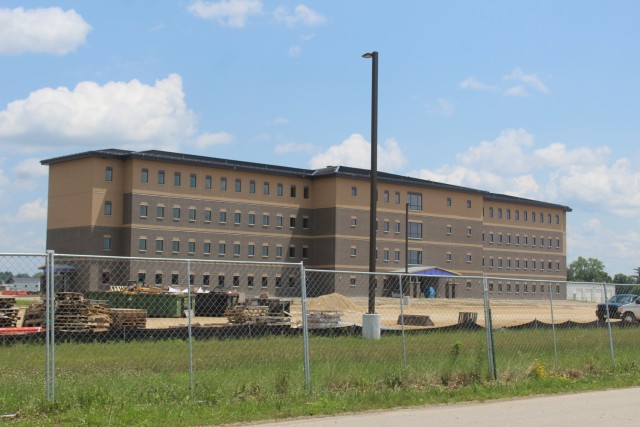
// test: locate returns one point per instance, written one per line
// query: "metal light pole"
(374, 179)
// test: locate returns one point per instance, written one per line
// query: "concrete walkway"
(591, 409)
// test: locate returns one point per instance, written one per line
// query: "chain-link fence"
(151, 330)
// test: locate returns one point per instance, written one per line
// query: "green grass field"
(148, 383)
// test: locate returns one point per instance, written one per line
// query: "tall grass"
(148, 383)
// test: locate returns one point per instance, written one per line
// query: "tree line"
(592, 270)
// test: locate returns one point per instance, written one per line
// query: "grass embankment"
(147, 383)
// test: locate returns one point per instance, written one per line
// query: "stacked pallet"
(75, 314)
(256, 315)
(8, 313)
(128, 318)
(323, 319)
(34, 316)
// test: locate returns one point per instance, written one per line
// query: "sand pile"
(332, 302)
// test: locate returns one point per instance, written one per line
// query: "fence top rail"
(183, 260)
(42, 254)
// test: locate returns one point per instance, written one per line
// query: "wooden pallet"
(128, 318)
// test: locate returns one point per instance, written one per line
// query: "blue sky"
(535, 99)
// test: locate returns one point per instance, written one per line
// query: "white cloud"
(43, 30)
(526, 80)
(302, 15)
(355, 151)
(475, 84)
(292, 147)
(518, 90)
(35, 210)
(231, 13)
(295, 51)
(206, 140)
(504, 153)
(122, 114)
(443, 107)
(27, 172)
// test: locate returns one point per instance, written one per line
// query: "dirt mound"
(333, 302)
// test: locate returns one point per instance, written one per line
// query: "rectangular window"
(237, 218)
(415, 230)
(305, 252)
(449, 257)
(207, 182)
(249, 281)
(251, 250)
(193, 180)
(397, 255)
(221, 280)
(415, 201)
(354, 251)
(278, 251)
(279, 190)
(293, 191)
(265, 281)
(206, 248)
(222, 248)
(106, 243)
(252, 187)
(191, 247)
(385, 255)
(278, 282)
(222, 217)
(265, 251)
(223, 183)
(207, 215)
(177, 179)
(236, 281)
(176, 213)
(354, 222)
(175, 246)
(192, 215)
(449, 202)
(386, 226)
(354, 191)
(265, 188)
(265, 220)
(279, 221)
(144, 211)
(238, 186)
(236, 249)
(398, 227)
(106, 277)
(397, 198)
(468, 204)
(305, 222)
(415, 257)
(107, 208)
(305, 192)
(206, 280)
(161, 177)
(144, 176)
(449, 230)
(468, 258)
(160, 212)
(292, 251)
(159, 245)
(292, 222)
(252, 219)
(108, 174)
(386, 196)
(142, 244)
(158, 279)
(175, 279)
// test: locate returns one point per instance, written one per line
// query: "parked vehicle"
(630, 312)
(614, 303)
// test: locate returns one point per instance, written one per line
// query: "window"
(305, 252)
(176, 214)
(354, 191)
(237, 218)
(397, 255)
(508, 213)
(252, 187)
(265, 188)
(279, 221)
(397, 198)
(236, 249)
(278, 251)
(236, 281)
(292, 222)
(499, 237)
(175, 246)
(449, 202)
(265, 220)
(106, 277)
(385, 255)
(207, 215)
(222, 217)
(293, 191)
(252, 219)
(144, 210)
(305, 192)
(158, 279)
(192, 214)
(449, 257)
(292, 251)
(160, 212)
(558, 243)
(449, 230)
(223, 183)
(108, 174)
(354, 222)
(206, 248)
(386, 196)
(106, 243)
(490, 212)
(265, 251)
(386, 226)
(524, 215)
(305, 222)
(193, 180)
(175, 279)
(278, 281)
(398, 227)
(107, 208)
(249, 281)
(191, 247)
(491, 236)
(468, 258)
(238, 186)
(415, 257)
(161, 177)
(468, 231)
(557, 219)
(354, 251)
(251, 250)
(222, 248)
(279, 190)
(508, 239)
(159, 245)
(549, 218)
(415, 201)
(144, 176)
(265, 282)
(533, 217)
(541, 217)
(468, 204)
(207, 182)
(499, 213)
(415, 230)
(176, 179)
(221, 280)
(517, 215)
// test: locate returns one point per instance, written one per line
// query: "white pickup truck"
(630, 312)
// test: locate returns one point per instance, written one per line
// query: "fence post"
(613, 359)
(305, 326)
(488, 328)
(404, 342)
(553, 329)
(50, 325)
(189, 314)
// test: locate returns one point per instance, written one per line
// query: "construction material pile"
(8, 313)
(260, 311)
(75, 314)
(323, 319)
(34, 316)
(129, 318)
